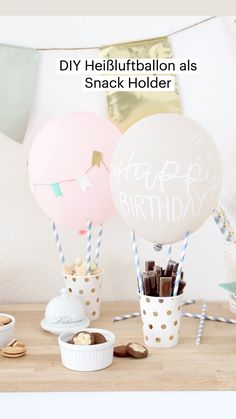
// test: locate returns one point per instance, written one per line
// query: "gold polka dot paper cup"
(88, 288)
(161, 320)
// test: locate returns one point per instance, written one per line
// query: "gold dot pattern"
(97, 300)
(94, 313)
(86, 279)
(93, 290)
(87, 303)
(81, 291)
(69, 290)
(160, 320)
(74, 279)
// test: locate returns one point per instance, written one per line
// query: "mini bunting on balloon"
(84, 182)
(97, 158)
(56, 189)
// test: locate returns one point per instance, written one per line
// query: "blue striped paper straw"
(89, 246)
(168, 254)
(220, 223)
(201, 324)
(181, 262)
(137, 263)
(58, 242)
(98, 245)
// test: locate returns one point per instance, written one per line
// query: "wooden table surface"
(211, 366)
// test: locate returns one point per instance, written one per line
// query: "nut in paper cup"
(88, 288)
(161, 320)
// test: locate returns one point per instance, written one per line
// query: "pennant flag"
(56, 189)
(96, 158)
(229, 286)
(126, 108)
(84, 182)
(18, 70)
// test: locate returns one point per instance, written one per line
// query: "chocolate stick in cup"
(158, 272)
(181, 286)
(171, 268)
(146, 284)
(149, 265)
(165, 286)
(152, 277)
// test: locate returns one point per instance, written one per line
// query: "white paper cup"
(7, 331)
(87, 357)
(88, 288)
(161, 320)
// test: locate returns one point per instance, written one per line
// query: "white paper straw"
(207, 317)
(201, 324)
(89, 246)
(137, 263)
(58, 242)
(181, 262)
(98, 245)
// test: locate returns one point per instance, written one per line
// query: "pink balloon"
(61, 153)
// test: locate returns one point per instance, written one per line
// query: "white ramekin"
(7, 331)
(87, 357)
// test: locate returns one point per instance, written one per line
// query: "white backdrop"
(29, 267)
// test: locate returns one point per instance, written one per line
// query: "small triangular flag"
(84, 182)
(96, 158)
(56, 189)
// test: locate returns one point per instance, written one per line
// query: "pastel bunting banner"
(84, 182)
(18, 70)
(126, 108)
(56, 189)
(96, 158)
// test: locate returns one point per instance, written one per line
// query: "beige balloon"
(165, 177)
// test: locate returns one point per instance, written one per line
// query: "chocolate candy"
(152, 277)
(121, 351)
(99, 338)
(83, 338)
(181, 286)
(136, 350)
(165, 286)
(149, 265)
(4, 320)
(146, 284)
(158, 272)
(171, 268)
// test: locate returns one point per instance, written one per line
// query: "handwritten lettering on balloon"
(154, 205)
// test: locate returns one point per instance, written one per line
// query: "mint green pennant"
(56, 189)
(229, 286)
(18, 70)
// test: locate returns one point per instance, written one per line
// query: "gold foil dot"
(74, 279)
(150, 326)
(148, 300)
(179, 308)
(97, 277)
(175, 322)
(93, 290)
(87, 303)
(171, 337)
(94, 313)
(146, 337)
(169, 312)
(161, 301)
(158, 340)
(155, 313)
(81, 291)
(86, 279)
(69, 289)
(97, 300)
(144, 312)
(163, 326)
